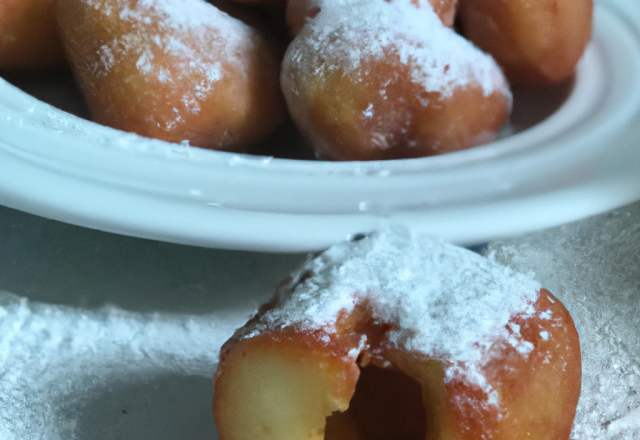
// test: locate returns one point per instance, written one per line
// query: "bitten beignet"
(495, 356)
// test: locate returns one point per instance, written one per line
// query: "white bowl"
(582, 160)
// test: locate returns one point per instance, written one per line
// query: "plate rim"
(274, 230)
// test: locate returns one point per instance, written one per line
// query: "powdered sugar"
(53, 357)
(344, 34)
(447, 302)
(594, 266)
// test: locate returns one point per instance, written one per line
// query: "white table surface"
(68, 273)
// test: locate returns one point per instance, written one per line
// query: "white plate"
(582, 160)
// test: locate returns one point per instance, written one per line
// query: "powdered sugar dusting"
(344, 34)
(182, 15)
(447, 302)
(52, 358)
(594, 266)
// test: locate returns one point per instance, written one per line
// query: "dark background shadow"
(171, 407)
